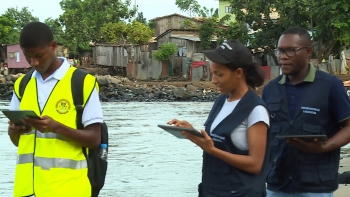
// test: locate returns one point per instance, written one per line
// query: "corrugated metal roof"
(188, 37)
(192, 38)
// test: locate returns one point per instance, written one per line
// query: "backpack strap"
(24, 82)
(77, 86)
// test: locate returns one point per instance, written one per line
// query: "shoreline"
(122, 89)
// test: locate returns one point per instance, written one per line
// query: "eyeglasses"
(290, 52)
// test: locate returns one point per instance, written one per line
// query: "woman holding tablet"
(235, 138)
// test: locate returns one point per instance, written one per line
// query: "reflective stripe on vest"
(48, 135)
(48, 163)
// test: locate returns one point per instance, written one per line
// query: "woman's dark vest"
(220, 178)
(307, 172)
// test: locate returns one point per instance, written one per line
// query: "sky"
(151, 8)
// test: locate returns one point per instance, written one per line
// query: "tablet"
(176, 131)
(308, 138)
(16, 116)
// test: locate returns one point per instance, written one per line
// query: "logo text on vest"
(62, 106)
(309, 110)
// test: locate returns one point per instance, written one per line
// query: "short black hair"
(35, 34)
(301, 32)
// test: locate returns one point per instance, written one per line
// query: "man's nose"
(283, 56)
(34, 62)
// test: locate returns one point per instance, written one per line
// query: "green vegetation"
(165, 51)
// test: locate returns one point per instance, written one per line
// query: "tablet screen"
(16, 116)
(176, 131)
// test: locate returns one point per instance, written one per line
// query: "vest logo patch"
(309, 110)
(62, 106)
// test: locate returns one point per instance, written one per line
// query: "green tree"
(8, 35)
(56, 28)
(140, 18)
(206, 33)
(330, 26)
(210, 28)
(234, 30)
(22, 17)
(115, 32)
(139, 33)
(75, 35)
(82, 20)
(329, 22)
(134, 33)
(191, 6)
(165, 51)
(11, 23)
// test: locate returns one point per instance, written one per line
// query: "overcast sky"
(150, 8)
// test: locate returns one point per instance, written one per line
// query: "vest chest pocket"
(274, 105)
(317, 173)
(312, 129)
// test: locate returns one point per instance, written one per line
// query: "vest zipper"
(291, 122)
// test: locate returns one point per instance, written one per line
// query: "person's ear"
(53, 45)
(309, 52)
(239, 72)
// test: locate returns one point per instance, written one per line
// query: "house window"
(17, 56)
(228, 9)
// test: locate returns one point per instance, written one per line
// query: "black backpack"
(97, 168)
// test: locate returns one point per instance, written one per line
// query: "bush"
(165, 51)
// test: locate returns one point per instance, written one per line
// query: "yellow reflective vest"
(50, 165)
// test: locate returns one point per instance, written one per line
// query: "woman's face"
(225, 79)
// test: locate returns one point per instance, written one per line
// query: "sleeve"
(14, 104)
(339, 102)
(258, 114)
(93, 110)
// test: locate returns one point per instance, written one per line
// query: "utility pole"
(137, 10)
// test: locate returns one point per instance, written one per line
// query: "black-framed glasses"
(290, 52)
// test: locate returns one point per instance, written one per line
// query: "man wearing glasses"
(304, 101)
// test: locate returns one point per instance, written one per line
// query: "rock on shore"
(124, 90)
(121, 89)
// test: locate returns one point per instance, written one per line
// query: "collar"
(310, 77)
(58, 74)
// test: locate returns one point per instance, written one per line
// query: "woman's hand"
(180, 123)
(205, 143)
